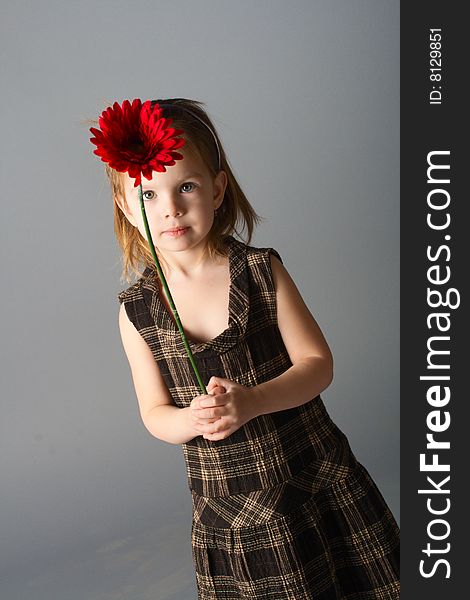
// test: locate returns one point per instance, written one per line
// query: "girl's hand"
(197, 418)
(220, 413)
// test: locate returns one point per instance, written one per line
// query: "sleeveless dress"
(282, 510)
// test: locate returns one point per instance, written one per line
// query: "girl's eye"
(150, 194)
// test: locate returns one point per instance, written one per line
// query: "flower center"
(135, 146)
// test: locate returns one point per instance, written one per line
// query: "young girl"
(281, 507)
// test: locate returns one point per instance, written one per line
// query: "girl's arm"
(312, 361)
(161, 417)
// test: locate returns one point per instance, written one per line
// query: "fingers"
(214, 437)
(216, 390)
(207, 409)
(218, 435)
(210, 400)
(218, 426)
(203, 400)
(222, 411)
(213, 386)
(204, 415)
(198, 422)
(210, 412)
(212, 422)
(219, 382)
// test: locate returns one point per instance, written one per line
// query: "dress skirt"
(325, 534)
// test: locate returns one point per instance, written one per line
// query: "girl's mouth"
(177, 231)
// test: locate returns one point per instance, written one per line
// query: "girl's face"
(179, 203)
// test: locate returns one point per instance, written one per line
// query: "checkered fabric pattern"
(339, 544)
(281, 508)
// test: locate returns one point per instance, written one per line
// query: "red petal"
(147, 172)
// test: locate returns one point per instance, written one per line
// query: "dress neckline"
(238, 306)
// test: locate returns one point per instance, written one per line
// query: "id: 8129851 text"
(435, 66)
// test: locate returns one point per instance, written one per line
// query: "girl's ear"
(220, 185)
(121, 202)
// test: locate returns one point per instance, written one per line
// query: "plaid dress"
(282, 510)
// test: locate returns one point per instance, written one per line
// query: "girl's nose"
(172, 207)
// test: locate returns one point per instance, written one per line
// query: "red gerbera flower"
(136, 139)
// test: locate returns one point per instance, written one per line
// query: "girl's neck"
(186, 264)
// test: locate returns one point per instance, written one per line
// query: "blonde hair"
(235, 214)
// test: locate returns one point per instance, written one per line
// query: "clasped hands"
(224, 409)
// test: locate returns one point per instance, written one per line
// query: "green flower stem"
(168, 294)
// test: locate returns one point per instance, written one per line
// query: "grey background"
(306, 99)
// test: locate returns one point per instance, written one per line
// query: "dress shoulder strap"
(263, 252)
(130, 293)
(260, 283)
(259, 263)
(134, 291)
(136, 299)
